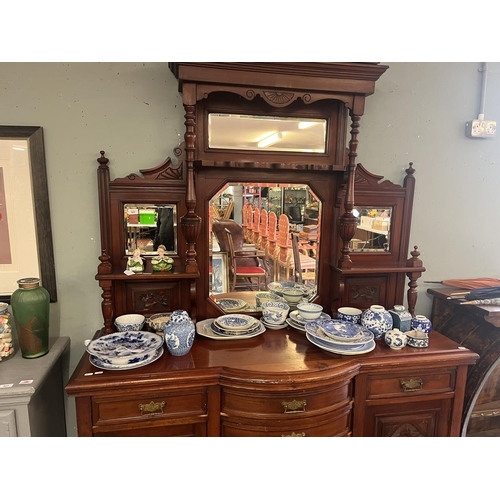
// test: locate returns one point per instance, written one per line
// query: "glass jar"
(6, 345)
(30, 308)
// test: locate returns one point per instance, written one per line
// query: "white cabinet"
(32, 394)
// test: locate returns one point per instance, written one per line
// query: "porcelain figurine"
(135, 262)
(377, 319)
(401, 318)
(161, 263)
(179, 333)
(395, 338)
(421, 323)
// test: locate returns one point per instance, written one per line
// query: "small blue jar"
(421, 323)
(401, 318)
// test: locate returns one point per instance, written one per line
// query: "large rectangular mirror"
(147, 226)
(266, 133)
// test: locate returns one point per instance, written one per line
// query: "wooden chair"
(244, 264)
(283, 252)
(304, 266)
(262, 241)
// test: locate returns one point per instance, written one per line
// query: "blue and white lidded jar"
(179, 333)
(421, 323)
(401, 318)
(377, 319)
(395, 339)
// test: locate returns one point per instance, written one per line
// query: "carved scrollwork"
(278, 97)
(361, 293)
(152, 300)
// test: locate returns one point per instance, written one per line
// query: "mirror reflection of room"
(147, 226)
(251, 228)
(373, 231)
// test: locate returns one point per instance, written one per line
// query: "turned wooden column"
(348, 222)
(190, 222)
(412, 293)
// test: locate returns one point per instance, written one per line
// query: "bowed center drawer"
(246, 402)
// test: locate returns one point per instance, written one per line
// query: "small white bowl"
(130, 322)
(293, 295)
(309, 311)
(417, 338)
(158, 321)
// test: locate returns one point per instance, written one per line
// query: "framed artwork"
(26, 248)
(220, 277)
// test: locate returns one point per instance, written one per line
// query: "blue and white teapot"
(179, 333)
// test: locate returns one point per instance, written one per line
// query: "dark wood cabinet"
(278, 384)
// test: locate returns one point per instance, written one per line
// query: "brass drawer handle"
(412, 385)
(294, 435)
(152, 408)
(294, 406)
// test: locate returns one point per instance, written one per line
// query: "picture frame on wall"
(220, 278)
(25, 226)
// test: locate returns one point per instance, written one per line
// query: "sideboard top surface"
(275, 356)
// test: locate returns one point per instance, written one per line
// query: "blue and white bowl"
(275, 313)
(377, 319)
(130, 322)
(416, 338)
(309, 311)
(351, 314)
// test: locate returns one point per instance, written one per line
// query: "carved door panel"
(404, 419)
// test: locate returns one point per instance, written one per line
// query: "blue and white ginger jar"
(179, 333)
(401, 318)
(377, 319)
(395, 339)
(421, 323)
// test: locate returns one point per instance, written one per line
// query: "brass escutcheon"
(152, 408)
(294, 406)
(411, 385)
(294, 435)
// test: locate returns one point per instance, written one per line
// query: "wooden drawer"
(247, 403)
(171, 404)
(336, 423)
(408, 384)
(180, 430)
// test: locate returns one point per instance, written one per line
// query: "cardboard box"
(381, 223)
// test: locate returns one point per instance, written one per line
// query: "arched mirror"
(253, 228)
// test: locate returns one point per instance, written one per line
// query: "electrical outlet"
(482, 129)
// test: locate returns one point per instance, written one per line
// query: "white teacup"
(350, 314)
(275, 313)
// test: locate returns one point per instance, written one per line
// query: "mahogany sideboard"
(278, 384)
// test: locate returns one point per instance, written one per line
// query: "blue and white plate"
(299, 319)
(235, 333)
(203, 328)
(104, 364)
(295, 325)
(338, 329)
(315, 329)
(272, 326)
(232, 304)
(236, 322)
(344, 350)
(116, 345)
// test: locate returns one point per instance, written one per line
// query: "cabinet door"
(8, 426)
(408, 419)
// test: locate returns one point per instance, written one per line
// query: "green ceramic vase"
(30, 308)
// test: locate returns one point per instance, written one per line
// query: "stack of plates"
(340, 337)
(232, 305)
(125, 350)
(230, 326)
(296, 321)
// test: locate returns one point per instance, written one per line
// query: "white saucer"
(273, 327)
(94, 360)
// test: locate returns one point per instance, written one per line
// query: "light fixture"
(270, 140)
(304, 125)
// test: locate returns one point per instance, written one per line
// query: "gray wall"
(134, 112)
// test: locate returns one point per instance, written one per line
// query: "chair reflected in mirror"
(245, 265)
(304, 266)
